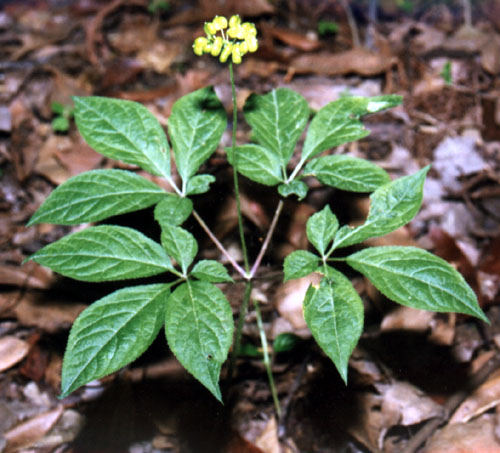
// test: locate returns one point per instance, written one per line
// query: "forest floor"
(418, 381)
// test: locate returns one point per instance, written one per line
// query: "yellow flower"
(235, 41)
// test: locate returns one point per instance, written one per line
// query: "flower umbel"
(235, 39)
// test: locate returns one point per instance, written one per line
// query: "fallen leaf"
(292, 38)
(28, 432)
(12, 351)
(268, 440)
(407, 318)
(33, 310)
(486, 396)
(288, 300)
(476, 436)
(28, 275)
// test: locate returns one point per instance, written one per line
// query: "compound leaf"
(347, 173)
(96, 195)
(123, 130)
(299, 264)
(211, 271)
(256, 163)
(111, 333)
(338, 122)
(416, 278)
(173, 210)
(277, 120)
(321, 228)
(334, 314)
(180, 245)
(196, 125)
(392, 205)
(199, 330)
(104, 253)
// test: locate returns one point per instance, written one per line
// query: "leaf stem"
(239, 327)
(267, 240)
(221, 248)
(235, 172)
(267, 361)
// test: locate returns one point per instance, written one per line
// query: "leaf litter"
(52, 51)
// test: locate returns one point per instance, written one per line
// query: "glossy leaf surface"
(321, 228)
(334, 313)
(111, 333)
(416, 278)
(299, 264)
(199, 330)
(104, 253)
(123, 130)
(96, 195)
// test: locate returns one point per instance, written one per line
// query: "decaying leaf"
(12, 351)
(27, 433)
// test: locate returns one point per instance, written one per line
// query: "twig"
(352, 23)
(221, 248)
(267, 240)
(452, 403)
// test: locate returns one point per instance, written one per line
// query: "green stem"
(267, 361)
(235, 173)
(239, 328)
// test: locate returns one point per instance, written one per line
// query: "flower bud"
(234, 32)
(226, 51)
(216, 46)
(210, 28)
(220, 22)
(248, 29)
(236, 55)
(199, 45)
(243, 47)
(234, 21)
(252, 44)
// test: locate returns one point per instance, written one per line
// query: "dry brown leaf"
(268, 440)
(27, 433)
(62, 157)
(33, 310)
(12, 351)
(160, 55)
(490, 55)
(289, 298)
(475, 436)
(359, 61)
(407, 318)
(398, 403)
(486, 396)
(292, 38)
(28, 275)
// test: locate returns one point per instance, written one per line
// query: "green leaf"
(96, 195)
(173, 210)
(104, 253)
(392, 205)
(277, 120)
(196, 125)
(338, 122)
(199, 184)
(285, 342)
(321, 228)
(416, 278)
(57, 108)
(294, 187)
(257, 163)
(347, 173)
(199, 329)
(60, 124)
(111, 333)
(180, 245)
(334, 314)
(299, 264)
(123, 130)
(211, 271)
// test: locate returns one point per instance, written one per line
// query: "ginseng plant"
(197, 317)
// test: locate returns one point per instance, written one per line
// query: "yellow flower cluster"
(236, 39)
